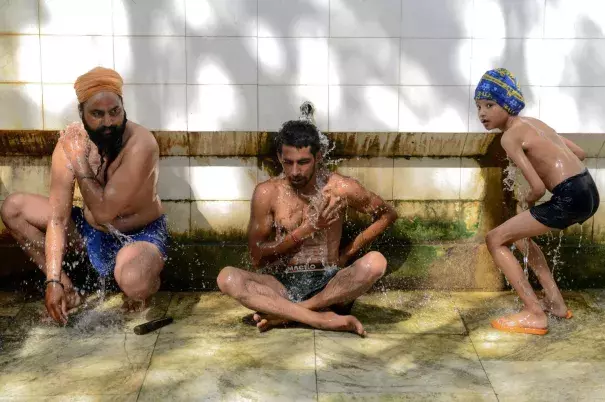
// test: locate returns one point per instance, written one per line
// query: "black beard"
(109, 145)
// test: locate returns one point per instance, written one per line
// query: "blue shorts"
(102, 248)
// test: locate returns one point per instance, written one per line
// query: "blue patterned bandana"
(501, 86)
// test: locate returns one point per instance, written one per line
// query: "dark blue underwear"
(574, 200)
(102, 248)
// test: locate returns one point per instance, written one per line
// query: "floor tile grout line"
(153, 350)
(477, 354)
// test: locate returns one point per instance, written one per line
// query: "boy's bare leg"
(259, 293)
(346, 286)
(518, 227)
(26, 217)
(554, 302)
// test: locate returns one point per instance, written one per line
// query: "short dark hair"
(299, 134)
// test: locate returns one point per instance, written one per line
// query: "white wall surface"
(368, 65)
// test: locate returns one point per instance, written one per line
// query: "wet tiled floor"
(421, 346)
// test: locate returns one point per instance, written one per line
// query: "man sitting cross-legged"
(294, 237)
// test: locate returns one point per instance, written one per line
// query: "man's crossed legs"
(269, 297)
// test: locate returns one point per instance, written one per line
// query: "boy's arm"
(574, 148)
(512, 144)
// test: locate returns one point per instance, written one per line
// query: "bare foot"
(524, 319)
(134, 306)
(265, 322)
(346, 323)
(556, 309)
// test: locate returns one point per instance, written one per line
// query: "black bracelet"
(53, 281)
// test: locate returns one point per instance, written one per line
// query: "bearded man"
(121, 226)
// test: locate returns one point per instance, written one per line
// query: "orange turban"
(97, 80)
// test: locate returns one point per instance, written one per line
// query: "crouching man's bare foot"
(134, 306)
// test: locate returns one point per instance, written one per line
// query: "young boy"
(548, 162)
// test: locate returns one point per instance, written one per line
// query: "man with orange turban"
(121, 226)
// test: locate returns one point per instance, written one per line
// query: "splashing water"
(94, 317)
(124, 239)
(556, 259)
(307, 112)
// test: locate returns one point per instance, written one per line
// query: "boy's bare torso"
(546, 151)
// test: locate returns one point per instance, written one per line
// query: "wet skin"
(297, 219)
(545, 159)
(44, 228)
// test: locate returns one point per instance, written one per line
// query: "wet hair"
(299, 134)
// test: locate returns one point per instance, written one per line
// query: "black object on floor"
(152, 325)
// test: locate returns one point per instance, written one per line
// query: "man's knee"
(228, 280)
(135, 285)
(374, 266)
(12, 208)
(137, 271)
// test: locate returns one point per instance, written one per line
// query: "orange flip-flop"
(568, 316)
(518, 328)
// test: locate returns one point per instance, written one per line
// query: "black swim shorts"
(305, 281)
(574, 200)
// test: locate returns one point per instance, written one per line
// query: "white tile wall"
(149, 17)
(221, 17)
(222, 107)
(293, 18)
(437, 18)
(574, 110)
(174, 181)
(433, 109)
(223, 179)
(364, 61)
(293, 61)
(435, 62)
(369, 65)
(280, 103)
(222, 60)
(363, 108)
(60, 106)
(19, 17)
(21, 106)
(20, 58)
(575, 62)
(75, 17)
(523, 57)
(157, 107)
(363, 18)
(151, 60)
(66, 58)
(574, 19)
(508, 19)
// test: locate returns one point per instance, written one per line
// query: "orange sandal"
(497, 324)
